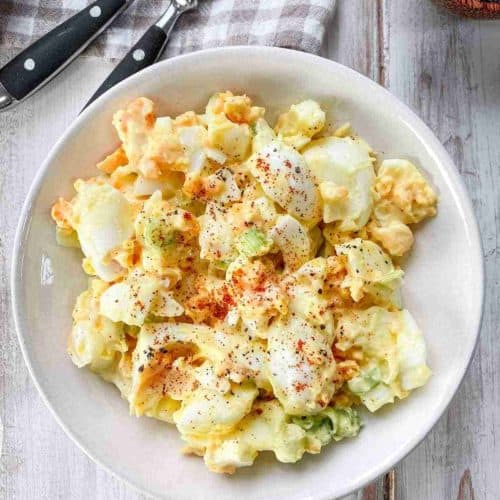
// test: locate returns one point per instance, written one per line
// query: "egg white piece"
(291, 237)
(345, 163)
(104, 220)
(208, 411)
(301, 366)
(286, 178)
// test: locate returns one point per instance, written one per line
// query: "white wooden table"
(446, 69)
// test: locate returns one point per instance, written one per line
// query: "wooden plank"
(448, 70)
(38, 460)
(354, 39)
(357, 40)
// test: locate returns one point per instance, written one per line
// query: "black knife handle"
(37, 64)
(144, 53)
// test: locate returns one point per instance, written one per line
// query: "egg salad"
(244, 280)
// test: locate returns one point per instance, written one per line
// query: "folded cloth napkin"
(297, 24)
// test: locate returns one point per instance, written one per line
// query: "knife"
(30, 70)
(149, 48)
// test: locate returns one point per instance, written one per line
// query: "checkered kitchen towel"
(297, 24)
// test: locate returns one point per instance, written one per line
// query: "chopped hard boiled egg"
(343, 168)
(371, 272)
(140, 295)
(402, 197)
(286, 179)
(268, 428)
(292, 239)
(394, 354)
(210, 412)
(94, 340)
(104, 221)
(242, 284)
(301, 366)
(400, 184)
(300, 123)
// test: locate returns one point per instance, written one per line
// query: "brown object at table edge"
(472, 8)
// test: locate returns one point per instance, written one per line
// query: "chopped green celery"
(330, 424)
(365, 381)
(183, 201)
(253, 243)
(221, 264)
(377, 397)
(158, 235)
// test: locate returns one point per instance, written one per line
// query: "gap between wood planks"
(382, 48)
(382, 60)
(465, 489)
(386, 488)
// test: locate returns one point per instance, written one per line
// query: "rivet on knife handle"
(40, 62)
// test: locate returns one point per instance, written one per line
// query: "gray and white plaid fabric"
(297, 24)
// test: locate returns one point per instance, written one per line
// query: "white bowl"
(443, 286)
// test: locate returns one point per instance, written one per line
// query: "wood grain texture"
(448, 70)
(445, 68)
(38, 460)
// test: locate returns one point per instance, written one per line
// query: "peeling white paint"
(1, 437)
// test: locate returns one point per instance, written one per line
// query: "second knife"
(149, 48)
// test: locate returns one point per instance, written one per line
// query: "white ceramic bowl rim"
(451, 174)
